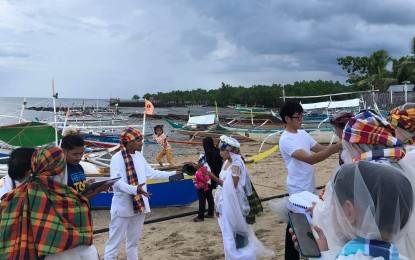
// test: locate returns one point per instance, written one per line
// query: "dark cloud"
(198, 43)
(182, 44)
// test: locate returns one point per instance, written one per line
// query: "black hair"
(20, 162)
(289, 108)
(212, 156)
(398, 190)
(72, 141)
(158, 127)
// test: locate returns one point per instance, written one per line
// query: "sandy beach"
(181, 238)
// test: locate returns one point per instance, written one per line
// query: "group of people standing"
(367, 207)
(45, 213)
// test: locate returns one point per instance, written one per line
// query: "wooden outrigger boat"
(214, 134)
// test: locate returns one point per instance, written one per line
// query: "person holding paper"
(73, 146)
(130, 201)
(300, 151)
(370, 137)
(370, 210)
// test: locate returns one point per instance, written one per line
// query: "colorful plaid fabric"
(404, 119)
(368, 128)
(42, 217)
(254, 205)
(130, 134)
(392, 155)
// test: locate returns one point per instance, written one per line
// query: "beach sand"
(181, 238)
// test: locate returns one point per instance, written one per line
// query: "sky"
(104, 49)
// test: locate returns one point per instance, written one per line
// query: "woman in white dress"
(232, 205)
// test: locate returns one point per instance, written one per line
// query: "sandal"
(196, 219)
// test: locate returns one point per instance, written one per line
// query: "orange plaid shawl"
(130, 134)
(42, 217)
(404, 119)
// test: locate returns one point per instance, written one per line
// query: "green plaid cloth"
(255, 205)
(42, 217)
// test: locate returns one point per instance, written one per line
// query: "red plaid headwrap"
(404, 119)
(368, 128)
(42, 217)
(130, 134)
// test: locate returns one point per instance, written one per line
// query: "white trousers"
(120, 227)
(79, 252)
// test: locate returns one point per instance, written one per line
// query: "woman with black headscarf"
(214, 161)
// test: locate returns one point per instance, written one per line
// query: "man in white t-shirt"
(296, 148)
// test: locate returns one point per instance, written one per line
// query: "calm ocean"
(12, 106)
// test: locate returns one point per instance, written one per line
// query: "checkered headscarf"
(404, 119)
(42, 217)
(368, 128)
(130, 134)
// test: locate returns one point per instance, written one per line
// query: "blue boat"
(164, 194)
(106, 140)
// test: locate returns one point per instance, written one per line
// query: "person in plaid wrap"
(403, 118)
(130, 201)
(370, 137)
(44, 219)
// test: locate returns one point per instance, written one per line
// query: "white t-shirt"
(6, 185)
(300, 174)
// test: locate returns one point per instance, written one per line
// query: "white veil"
(231, 208)
(382, 202)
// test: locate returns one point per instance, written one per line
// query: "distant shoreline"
(116, 102)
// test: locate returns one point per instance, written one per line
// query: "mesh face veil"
(372, 201)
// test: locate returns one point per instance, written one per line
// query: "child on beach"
(161, 139)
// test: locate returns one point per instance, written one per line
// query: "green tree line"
(257, 95)
(377, 71)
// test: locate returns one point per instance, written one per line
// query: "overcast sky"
(103, 49)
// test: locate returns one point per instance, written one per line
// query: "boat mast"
(144, 127)
(283, 93)
(23, 108)
(55, 96)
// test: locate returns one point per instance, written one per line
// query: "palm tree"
(378, 74)
(404, 68)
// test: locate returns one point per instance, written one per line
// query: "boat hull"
(192, 134)
(164, 194)
(322, 136)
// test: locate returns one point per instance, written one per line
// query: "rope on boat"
(186, 214)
